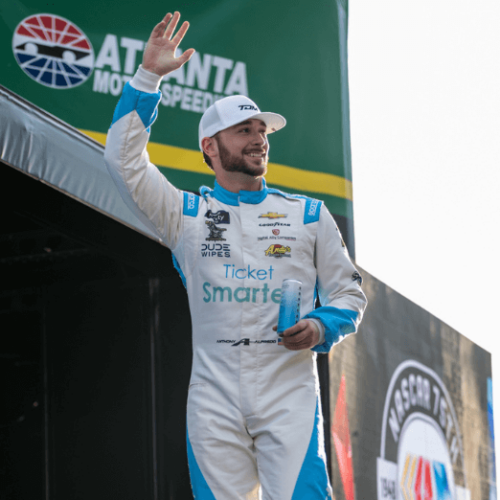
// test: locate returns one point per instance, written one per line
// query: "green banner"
(289, 57)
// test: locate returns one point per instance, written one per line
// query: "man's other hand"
(302, 335)
(159, 54)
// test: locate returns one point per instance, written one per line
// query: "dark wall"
(21, 417)
(117, 377)
(95, 354)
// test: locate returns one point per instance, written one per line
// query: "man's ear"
(210, 146)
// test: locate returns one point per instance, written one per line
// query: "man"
(254, 417)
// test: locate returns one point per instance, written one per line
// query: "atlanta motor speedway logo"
(53, 51)
(56, 53)
(421, 455)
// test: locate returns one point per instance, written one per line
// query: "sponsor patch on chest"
(215, 232)
(276, 234)
(273, 215)
(215, 250)
(278, 251)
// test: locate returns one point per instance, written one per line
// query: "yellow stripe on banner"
(188, 160)
(97, 136)
(305, 180)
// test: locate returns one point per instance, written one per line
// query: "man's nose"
(259, 138)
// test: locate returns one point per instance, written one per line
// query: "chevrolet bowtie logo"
(272, 215)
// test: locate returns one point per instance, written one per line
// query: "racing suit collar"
(250, 197)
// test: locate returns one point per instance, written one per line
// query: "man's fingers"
(295, 329)
(159, 29)
(289, 332)
(167, 17)
(184, 58)
(303, 335)
(180, 34)
(296, 344)
(159, 54)
(299, 337)
(172, 25)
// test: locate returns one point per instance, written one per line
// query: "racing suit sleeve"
(339, 285)
(155, 201)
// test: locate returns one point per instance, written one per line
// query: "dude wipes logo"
(215, 250)
(421, 444)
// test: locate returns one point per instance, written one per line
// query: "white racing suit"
(254, 417)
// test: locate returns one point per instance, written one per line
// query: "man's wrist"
(146, 81)
(321, 330)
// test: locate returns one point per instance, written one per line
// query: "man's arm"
(145, 190)
(339, 289)
(339, 285)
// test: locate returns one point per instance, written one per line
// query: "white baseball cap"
(235, 109)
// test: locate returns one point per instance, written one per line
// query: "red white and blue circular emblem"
(421, 453)
(53, 51)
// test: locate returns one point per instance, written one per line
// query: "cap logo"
(247, 107)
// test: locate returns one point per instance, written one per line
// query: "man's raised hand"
(159, 54)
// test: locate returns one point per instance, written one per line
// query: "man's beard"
(231, 163)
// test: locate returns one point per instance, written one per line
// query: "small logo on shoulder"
(191, 201)
(313, 208)
(357, 277)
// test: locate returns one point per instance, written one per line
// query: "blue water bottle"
(289, 314)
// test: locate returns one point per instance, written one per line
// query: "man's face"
(244, 148)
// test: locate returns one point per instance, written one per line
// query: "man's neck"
(238, 181)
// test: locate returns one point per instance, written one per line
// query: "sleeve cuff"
(146, 81)
(321, 329)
